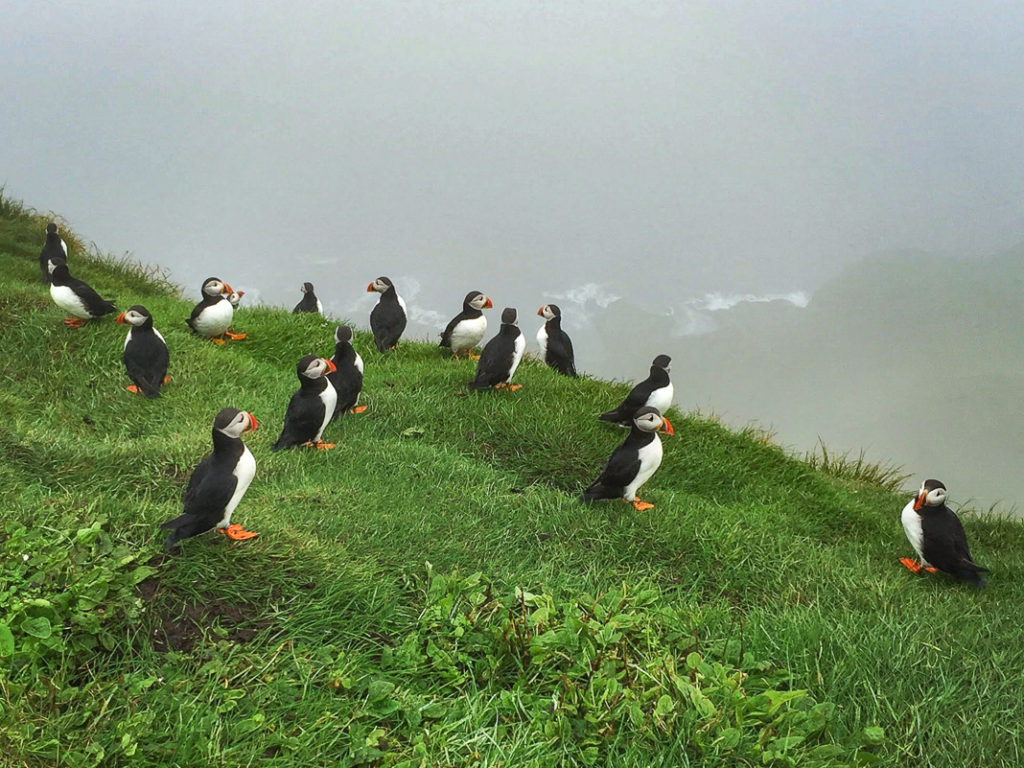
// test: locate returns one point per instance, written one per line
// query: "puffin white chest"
(650, 460)
(914, 528)
(542, 340)
(244, 472)
(661, 398)
(329, 398)
(467, 333)
(517, 355)
(215, 319)
(69, 301)
(359, 362)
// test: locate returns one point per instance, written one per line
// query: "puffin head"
(650, 420)
(214, 286)
(931, 494)
(136, 315)
(57, 267)
(234, 423)
(549, 311)
(509, 316)
(51, 228)
(380, 285)
(235, 297)
(307, 288)
(662, 361)
(313, 367)
(477, 300)
(342, 334)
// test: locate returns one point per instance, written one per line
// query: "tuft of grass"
(859, 470)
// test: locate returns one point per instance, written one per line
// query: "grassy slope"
(751, 543)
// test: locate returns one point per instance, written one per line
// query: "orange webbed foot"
(500, 385)
(234, 336)
(167, 378)
(74, 322)
(930, 569)
(235, 532)
(133, 388)
(911, 564)
(320, 445)
(640, 506)
(358, 409)
(471, 356)
(514, 387)
(217, 340)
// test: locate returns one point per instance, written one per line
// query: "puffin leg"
(235, 532)
(640, 506)
(74, 322)
(234, 336)
(500, 385)
(514, 387)
(167, 378)
(216, 339)
(358, 409)
(930, 569)
(132, 388)
(910, 564)
(471, 356)
(320, 445)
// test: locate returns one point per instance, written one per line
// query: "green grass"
(431, 592)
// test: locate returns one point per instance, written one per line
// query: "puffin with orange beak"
(388, 317)
(311, 407)
(938, 537)
(212, 316)
(468, 327)
(145, 354)
(633, 462)
(218, 482)
(555, 344)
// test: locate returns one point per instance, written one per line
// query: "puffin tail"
(610, 416)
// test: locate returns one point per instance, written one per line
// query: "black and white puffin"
(937, 535)
(218, 482)
(54, 248)
(468, 327)
(311, 407)
(555, 344)
(309, 303)
(145, 352)
(75, 297)
(633, 462)
(347, 378)
(501, 355)
(235, 297)
(389, 316)
(212, 316)
(653, 392)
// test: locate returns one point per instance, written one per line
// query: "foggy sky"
(673, 148)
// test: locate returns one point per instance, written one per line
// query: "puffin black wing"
(946, 546)
(301, 420)
(146, 359)
(560, 355)
(96, 305)
(207, 494)
(625, 410)
(493, 365)
(622, 466)
(387, 321)
(446, 335)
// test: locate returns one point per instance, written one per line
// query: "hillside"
(431, 592)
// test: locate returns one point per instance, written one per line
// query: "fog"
(681, 160)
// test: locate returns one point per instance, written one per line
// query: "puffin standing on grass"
(218, 482)
(309, 303)
(938, 537)
(145, 352)
(75, 297)
(311, 407)
(212, 316)
(468, 327)
(389, 316)
(555, 344)
(653, 392)
(347, 377)
(501, 355)
(54, 248)
(633, 462)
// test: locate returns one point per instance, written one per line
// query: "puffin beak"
(488, 304)
(331, 367)
(227, 289)
(666, 427)
(253, 424)
(120, 319)
(919, 502)
(241, 294)
(541, 311)
(369, 288)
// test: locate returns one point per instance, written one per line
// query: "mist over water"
(699, 179)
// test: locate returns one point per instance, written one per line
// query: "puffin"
(555, 344)
(501, 355)
(75, 297)
(937, 535)
(54, 248)
(633, 462)
(468, 327)
(218, 482)
(389, 316)
(145, 352)
(347, 377)
(309, 303)
(311, 407)
(212, 316)
(235, 297)
(653, 392)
